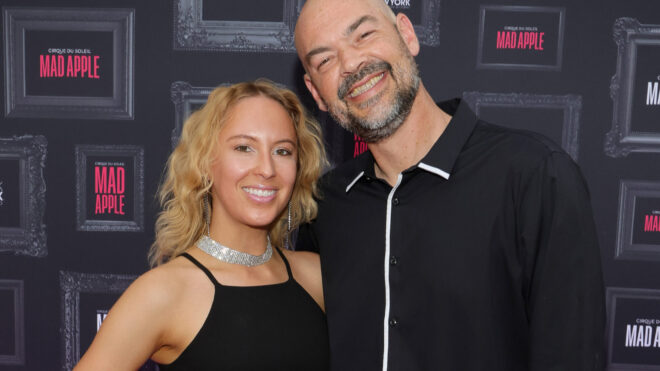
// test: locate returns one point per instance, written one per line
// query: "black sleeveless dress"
(271, 327)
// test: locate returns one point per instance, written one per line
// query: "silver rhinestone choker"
(229, 255)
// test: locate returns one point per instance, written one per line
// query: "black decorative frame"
(18, 358)
(629, 190)
(428, 32)
(184, 96)
(620, 141)
(191, 32)
(119, 21)
(30, 238)
(571, 104)
(135, 225)
(520, 66)
(71, 285)
(613, 294)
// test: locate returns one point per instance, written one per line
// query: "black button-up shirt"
(483, 256)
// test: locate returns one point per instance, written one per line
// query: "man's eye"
(365, 34)
(323, 61)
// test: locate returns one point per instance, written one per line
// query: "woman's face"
(254, 167)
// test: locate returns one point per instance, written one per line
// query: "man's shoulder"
(341, 175)
(526, 146)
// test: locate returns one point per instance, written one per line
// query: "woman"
(221, 297)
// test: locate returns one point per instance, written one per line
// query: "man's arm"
(565, 293)
(306, 240)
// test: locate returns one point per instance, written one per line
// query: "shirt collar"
(441, 158)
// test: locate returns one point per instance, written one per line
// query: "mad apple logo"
(644, 333)
(652, 96)
(525, 37)
(360, 145)
(100, 317)
(652, 221)
(521, 38)
(69, 63)
(109, 188)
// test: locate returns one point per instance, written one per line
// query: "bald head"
(316, 11)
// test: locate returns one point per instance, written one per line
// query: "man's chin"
(375, 135)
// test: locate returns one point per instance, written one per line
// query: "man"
(452, 244)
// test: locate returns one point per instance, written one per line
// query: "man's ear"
(407, 32)
(315, 93)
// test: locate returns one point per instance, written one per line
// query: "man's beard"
(385, 117)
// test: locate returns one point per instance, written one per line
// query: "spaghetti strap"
(203, 268)
(286, 262)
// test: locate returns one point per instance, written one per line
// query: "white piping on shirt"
(434, 170)
(388, 223)
(348, 188)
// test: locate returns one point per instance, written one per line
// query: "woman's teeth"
(260, 192)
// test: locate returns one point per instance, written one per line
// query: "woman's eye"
(283, 152)
(243, 148)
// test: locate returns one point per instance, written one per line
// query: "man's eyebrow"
(350, 29)
(356, 24)
(316, 51)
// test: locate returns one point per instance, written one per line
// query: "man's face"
(359, 65)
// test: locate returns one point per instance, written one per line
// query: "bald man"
(452, 243)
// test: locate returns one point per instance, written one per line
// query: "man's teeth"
(260, 192)
(366, 86)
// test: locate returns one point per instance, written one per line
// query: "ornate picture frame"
(72, 284)
(626, 249)
(17, 358)
(192, 32)
(556, 66)
(30, 237)
(186, 98)
(82, 152)
(120, 22)
(570, 104)
(621, 140)
(614, 295)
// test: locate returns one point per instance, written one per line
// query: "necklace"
(229, 255)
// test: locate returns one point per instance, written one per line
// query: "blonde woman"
(224, 294)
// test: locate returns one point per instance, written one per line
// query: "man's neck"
(412, 141)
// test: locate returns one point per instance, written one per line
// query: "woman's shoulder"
(306, 268)
(306, 263)
(165, 283)
(144, 318)
(307, 259)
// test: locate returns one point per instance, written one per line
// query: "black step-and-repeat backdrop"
(95, 95)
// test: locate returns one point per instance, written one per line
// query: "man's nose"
(352, 60)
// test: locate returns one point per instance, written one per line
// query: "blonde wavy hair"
(186, 182)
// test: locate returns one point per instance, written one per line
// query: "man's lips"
(370, 83)
(353, 81)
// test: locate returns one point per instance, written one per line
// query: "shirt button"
(367, 178)
(394, 260)
(395, 201)
(393, 322)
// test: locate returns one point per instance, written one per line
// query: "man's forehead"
(341, 15)
(316, 5)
